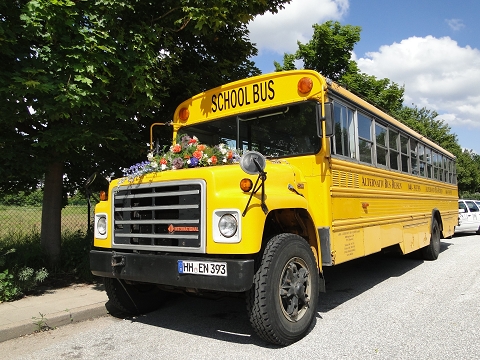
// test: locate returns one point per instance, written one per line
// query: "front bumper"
(163, 269)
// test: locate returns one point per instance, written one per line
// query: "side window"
(365, 143)
(421, 159)
(435, 165)
(462, 206)
(404, 152)
(440, 166)
(393, 144)
(471, 206)
(413, 157)
(344, 131)
(381, 144)
(428, 156)
(445, 170)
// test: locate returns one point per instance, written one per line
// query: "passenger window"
(413, 157)
(393, 145)
(421, 159)
(344, 131)
(365, 143)
(428, 156)
(404, 150)
(381, 144)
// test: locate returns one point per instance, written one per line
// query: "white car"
(468, 216)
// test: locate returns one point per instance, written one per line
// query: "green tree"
(330, 49)
(426, 122)
(81, 81)
(383, 93)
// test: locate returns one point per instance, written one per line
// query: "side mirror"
(327, 118)
(253, 162)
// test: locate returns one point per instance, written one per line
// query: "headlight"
(101, 226)
(228, 225)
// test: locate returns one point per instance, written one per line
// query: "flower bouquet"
(187, 153)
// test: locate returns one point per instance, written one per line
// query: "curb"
(52, 321)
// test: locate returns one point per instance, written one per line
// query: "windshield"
(279, 132)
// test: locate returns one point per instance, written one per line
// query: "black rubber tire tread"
(263, 316)
(133, 299)
(432, 250)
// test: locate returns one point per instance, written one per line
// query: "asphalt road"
(378, 307)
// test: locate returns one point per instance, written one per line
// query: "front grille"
(160, 216)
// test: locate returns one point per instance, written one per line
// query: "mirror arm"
(262, 175)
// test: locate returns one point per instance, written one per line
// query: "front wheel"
(283, 300)
(432, 250)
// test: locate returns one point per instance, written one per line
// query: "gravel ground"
(378, 307)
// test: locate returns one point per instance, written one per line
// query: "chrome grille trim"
(160, 216)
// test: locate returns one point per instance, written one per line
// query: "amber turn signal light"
(246, 185)
(103, 196)
(305, 85)
(183, 114)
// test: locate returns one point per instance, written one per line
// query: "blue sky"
(432, 47)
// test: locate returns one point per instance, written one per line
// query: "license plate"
(202, 268)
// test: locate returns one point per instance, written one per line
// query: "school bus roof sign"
(251, 94)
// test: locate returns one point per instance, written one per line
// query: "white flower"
(150, 156)
(163, 167)
(209, 161)
(154, 164)
(222, 148)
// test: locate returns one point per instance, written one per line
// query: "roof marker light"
(305, 85)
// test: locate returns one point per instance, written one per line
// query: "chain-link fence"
(27, 219)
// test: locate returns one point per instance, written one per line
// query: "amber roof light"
(305, 85)
(183, 114)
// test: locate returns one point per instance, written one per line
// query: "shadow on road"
(226, 319)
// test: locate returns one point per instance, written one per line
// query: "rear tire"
(133, 299)
(282, 302)
(432, 250)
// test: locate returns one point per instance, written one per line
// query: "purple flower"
(184, 141)
(177, 163)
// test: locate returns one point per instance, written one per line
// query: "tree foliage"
(81, 81)
(330, 49)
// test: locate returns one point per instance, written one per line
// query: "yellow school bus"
(268, 180)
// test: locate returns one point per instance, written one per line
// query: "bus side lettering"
(239, 97)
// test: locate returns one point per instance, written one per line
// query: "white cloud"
(280, 32)
(437, 73)
(455, 24)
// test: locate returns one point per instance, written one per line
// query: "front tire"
(283, 300)
(432, 250)
(133, 299)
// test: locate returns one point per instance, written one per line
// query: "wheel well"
(294, 221)
(437, 216)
